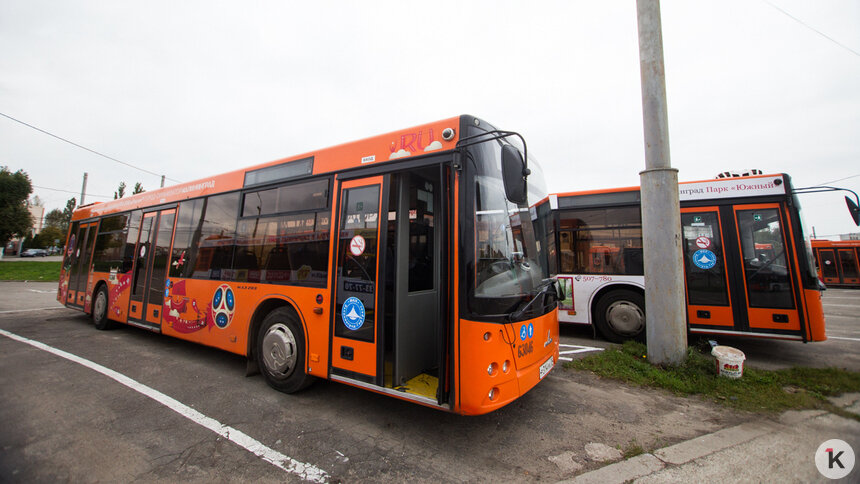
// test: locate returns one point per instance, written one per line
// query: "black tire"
(620, 316)
(280, 351)
(101, 304)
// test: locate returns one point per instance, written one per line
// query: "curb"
(690, 450)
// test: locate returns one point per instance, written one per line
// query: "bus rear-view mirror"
(514, 173)
(855, 211)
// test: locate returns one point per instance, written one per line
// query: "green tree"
(67, 212)
(56, 218)
(15, 219)
(120, 191)
(138, 188)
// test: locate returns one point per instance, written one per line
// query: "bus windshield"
(507, 269)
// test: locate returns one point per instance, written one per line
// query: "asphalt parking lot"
(124, 405)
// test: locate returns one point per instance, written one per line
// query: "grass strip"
(757, 391)
(30, 271)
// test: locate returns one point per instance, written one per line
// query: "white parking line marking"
(846, 339)
(28, 310)
(304, 471)
(43, 292)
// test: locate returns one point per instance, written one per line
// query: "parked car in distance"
(34, 253)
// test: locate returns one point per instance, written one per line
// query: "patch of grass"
(30, 271)
(632, 450)
(758, 390)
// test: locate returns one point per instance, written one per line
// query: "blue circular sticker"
(352, 313)
(704, 259)
(527, 331)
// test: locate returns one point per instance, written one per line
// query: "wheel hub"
(625, 317)
(279, 350)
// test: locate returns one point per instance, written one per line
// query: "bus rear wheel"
(100, 309)
(620, 316)
(280, 351)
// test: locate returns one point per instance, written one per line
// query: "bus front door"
(739, 278)
(150, 269)
(388, 325)
(828, 265)
(354, 353)
(768, 278)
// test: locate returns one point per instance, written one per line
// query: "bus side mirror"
(559, 291)
(514, 173)
(855, 211)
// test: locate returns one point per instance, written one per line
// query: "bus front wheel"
(281, 351)
(620, 316)
(100, 309)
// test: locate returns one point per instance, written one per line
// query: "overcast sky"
(192, 89)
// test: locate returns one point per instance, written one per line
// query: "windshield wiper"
(543, 289)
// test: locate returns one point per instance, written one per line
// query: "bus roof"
(383, 148)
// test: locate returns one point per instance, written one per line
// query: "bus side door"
(354, 319)
(150, 268)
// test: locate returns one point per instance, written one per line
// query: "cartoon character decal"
(184, 315)
(123, 283)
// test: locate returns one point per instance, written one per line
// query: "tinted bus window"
(128, 254)
(703, 259)
(601, 241)
(286, 249)
(765, 265)
(110, 243)
(213, 254)
(188, 224)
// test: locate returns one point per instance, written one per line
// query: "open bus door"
(389, 329)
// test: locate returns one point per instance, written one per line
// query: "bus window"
(828, 264)
(212, 258)
(767, 280)
(703, 259)
(848, 263)
(357, 268)
(601, 241)
(188, 222)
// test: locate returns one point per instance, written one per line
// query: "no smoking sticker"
(357, 245)
(703, 242)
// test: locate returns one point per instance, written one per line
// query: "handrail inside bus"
(853, 206)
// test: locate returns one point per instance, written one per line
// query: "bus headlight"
(494, 392)
(493, 368)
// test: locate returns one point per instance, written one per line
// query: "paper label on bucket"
(730, 361)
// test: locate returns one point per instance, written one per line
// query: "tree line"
(15, 218)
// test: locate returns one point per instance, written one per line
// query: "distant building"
(38, 214)
(854, 236)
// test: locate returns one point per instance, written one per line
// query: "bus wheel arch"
(100, 307)
(277, 345)
(618, 312)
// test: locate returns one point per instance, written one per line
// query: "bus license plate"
(545, 368)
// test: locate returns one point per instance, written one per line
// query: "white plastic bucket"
(730, 361)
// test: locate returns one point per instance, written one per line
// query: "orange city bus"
(398, 263)
(748, 271)
(838, 262)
